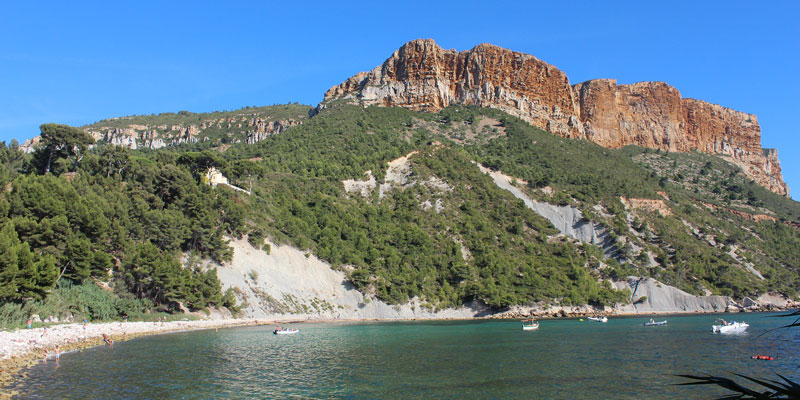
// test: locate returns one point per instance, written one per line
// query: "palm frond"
(778, 387)
(725, 383)
(791, 314)
(794, 385)
(793, 324)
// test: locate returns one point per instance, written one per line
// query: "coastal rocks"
(770, 302)
(749, 303)
(423, 76)
(546, 310)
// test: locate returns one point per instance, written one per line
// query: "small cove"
(424, 359)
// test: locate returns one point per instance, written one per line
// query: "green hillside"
(448, 235)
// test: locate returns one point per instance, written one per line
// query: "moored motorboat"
(729, 327)
(284, 331)
(530, 324)
(598, 319)
(655, 323)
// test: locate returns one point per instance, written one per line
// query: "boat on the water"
(729, 327)
(598, 319)
(655, 323)
(530, 324)
(284, 331)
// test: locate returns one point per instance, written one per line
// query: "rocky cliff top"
(248, 125)
(420, 75)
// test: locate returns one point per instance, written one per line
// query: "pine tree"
(23, 275)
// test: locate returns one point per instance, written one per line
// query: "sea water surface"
(487, 359)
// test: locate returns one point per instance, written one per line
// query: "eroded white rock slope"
(567, 219)
(289, 281)
(665, 298)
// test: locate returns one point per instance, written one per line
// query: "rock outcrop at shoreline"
(652, 296)
(420, 75)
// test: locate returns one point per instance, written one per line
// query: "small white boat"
(655, 323)
(729, 327)
(598, 319)
(285, 331)
(530, 324)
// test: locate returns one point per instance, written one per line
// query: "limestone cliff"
(219, 128)
(423, 76)
(155, 137)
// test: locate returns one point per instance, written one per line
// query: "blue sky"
(79, 62)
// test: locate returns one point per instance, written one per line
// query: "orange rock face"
(423, 76)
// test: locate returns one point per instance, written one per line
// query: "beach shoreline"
(24, 348)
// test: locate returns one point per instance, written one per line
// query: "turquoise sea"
(566, 359)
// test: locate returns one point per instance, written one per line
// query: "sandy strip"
(23, 348)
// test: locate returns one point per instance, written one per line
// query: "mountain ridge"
(422, 76)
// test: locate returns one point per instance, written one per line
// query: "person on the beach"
(106, 340)
(57, 353)
(30, 323)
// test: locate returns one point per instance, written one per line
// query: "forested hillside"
(113, 217)
(137, 223)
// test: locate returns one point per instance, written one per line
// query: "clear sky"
(79, 62)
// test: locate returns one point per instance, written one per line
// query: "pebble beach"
(22, 348)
